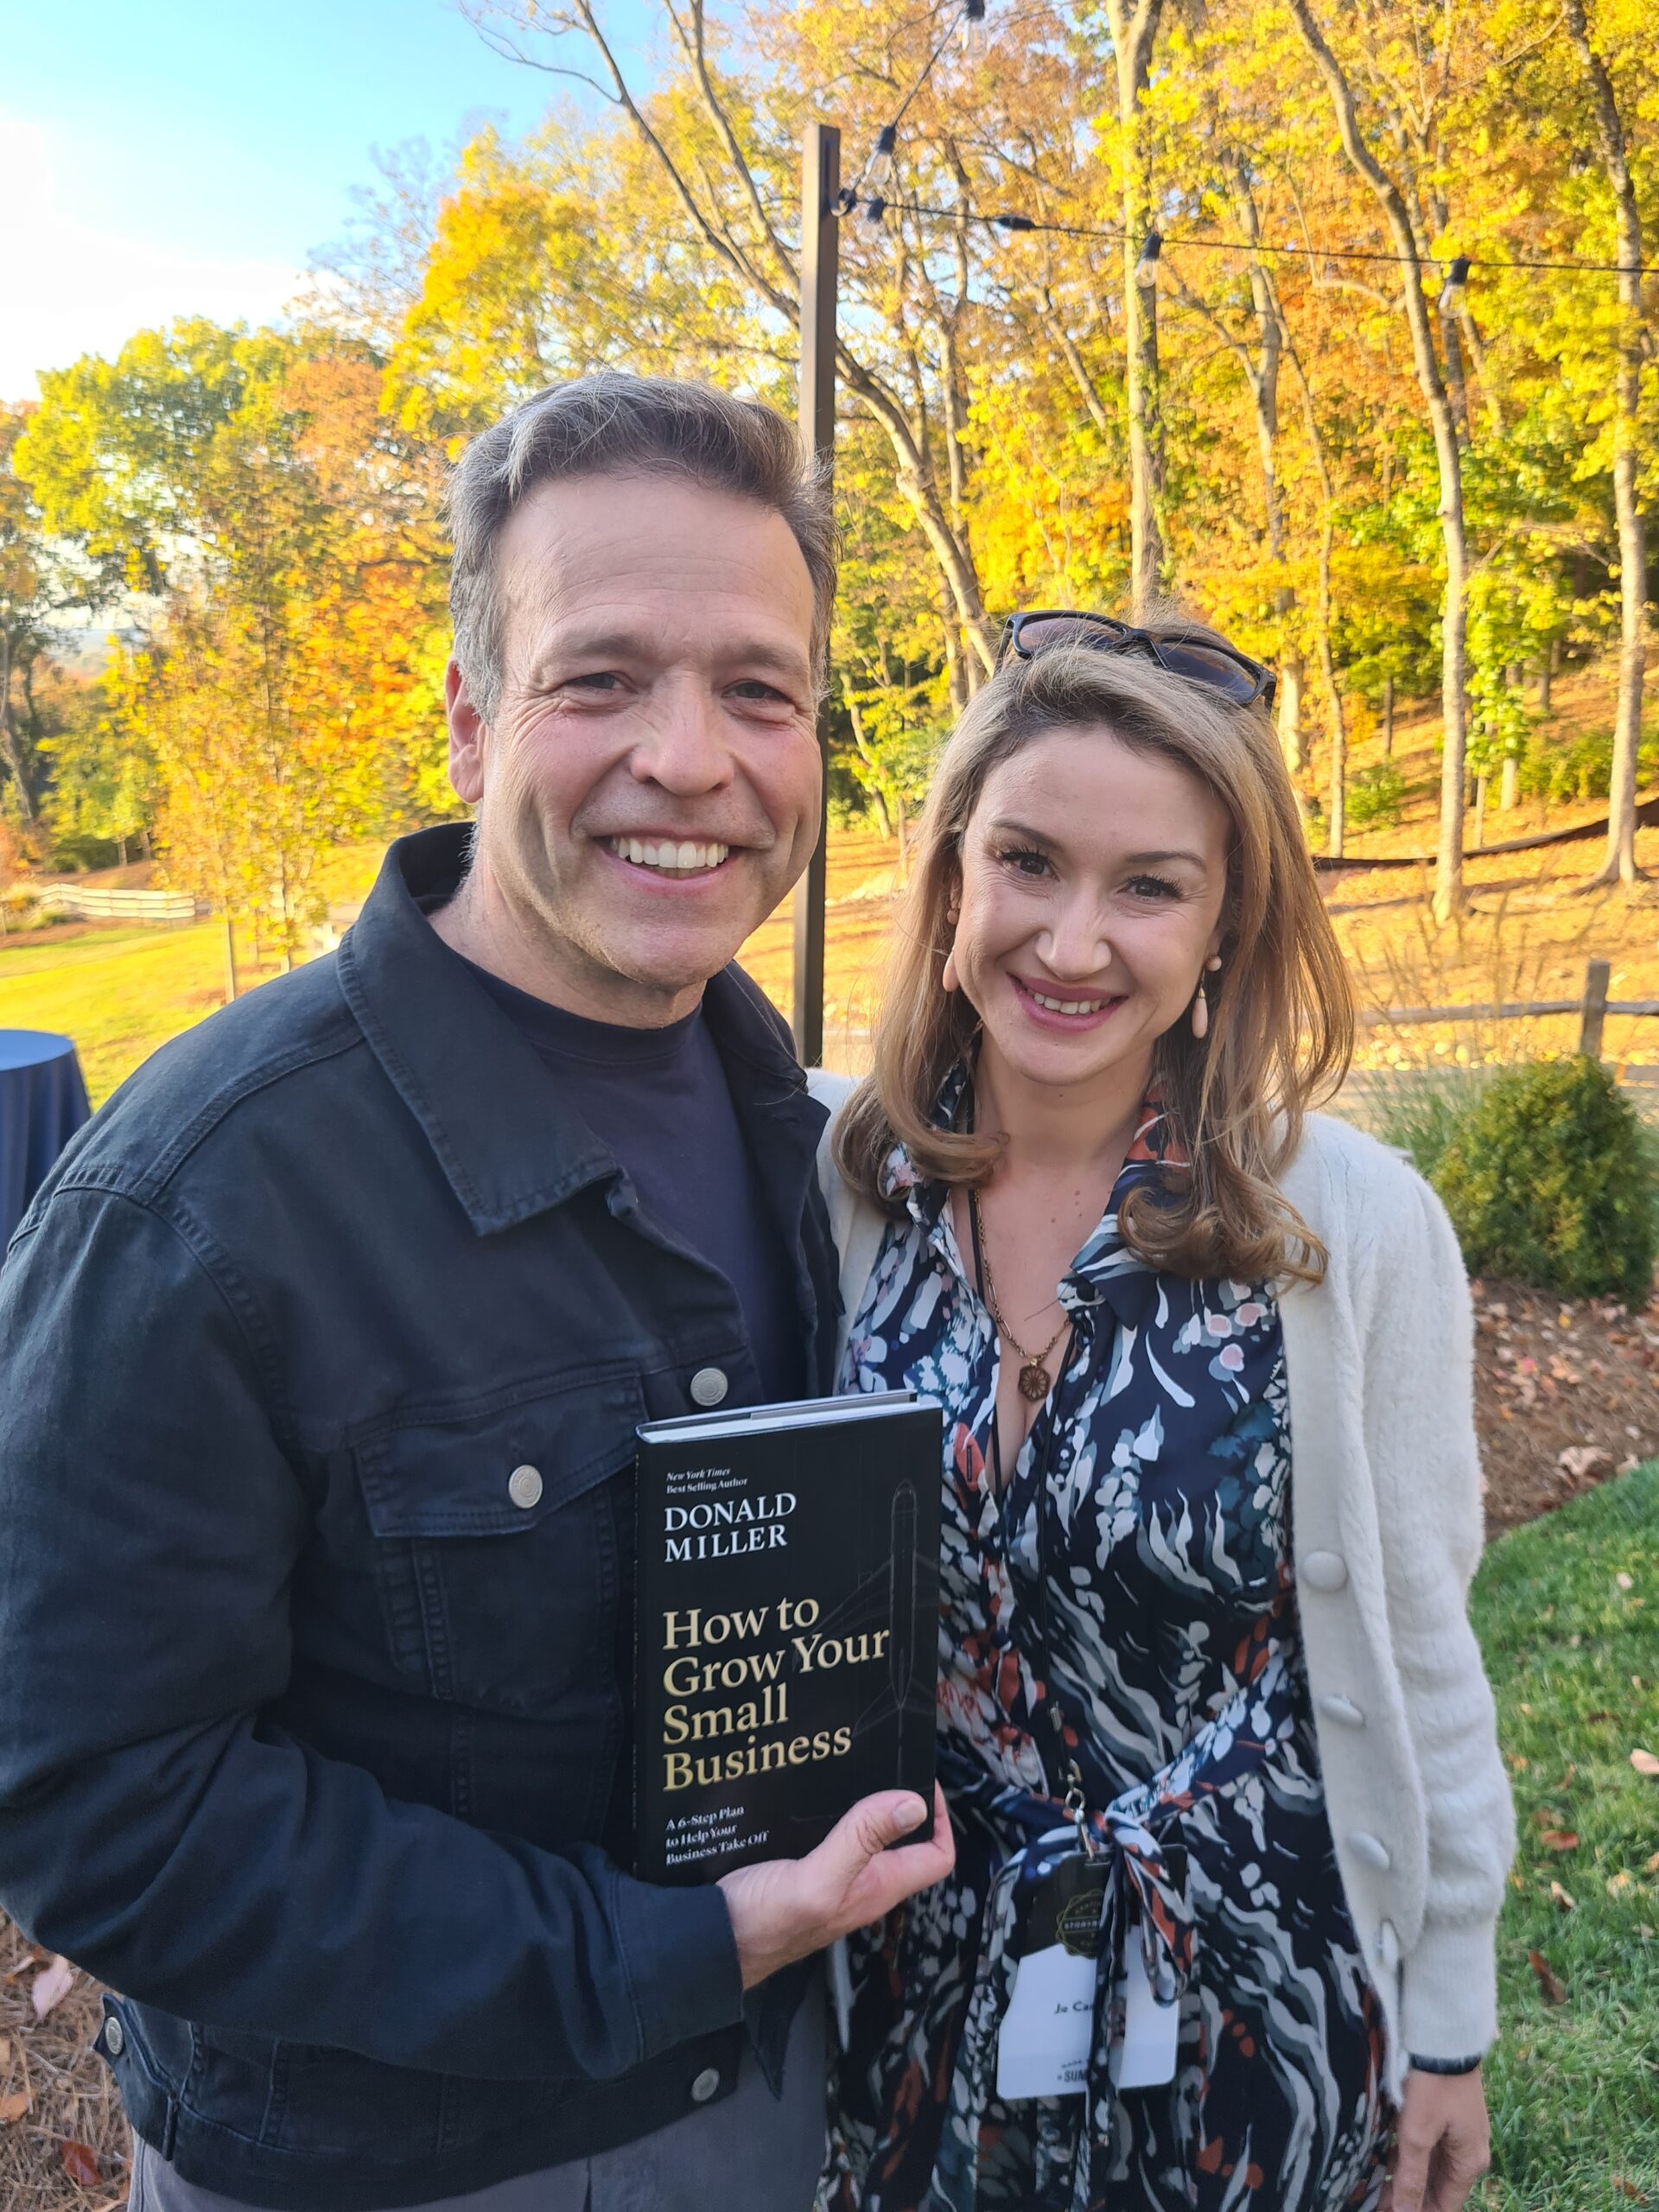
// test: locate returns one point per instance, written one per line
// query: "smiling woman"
(1231, 1843)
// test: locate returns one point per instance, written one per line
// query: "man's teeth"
(683, 856)
(1069, 1006)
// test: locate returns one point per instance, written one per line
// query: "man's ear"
(468, 737)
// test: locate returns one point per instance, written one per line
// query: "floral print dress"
(1154, 1489)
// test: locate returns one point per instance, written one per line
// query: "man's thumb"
(873, 1823)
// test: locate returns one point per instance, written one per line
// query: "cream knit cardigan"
(1386, 1528)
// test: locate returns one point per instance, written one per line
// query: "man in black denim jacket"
(321, 1356)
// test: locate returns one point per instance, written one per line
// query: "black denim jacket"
(313, 1721)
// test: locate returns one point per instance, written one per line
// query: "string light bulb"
(976, 31)
(1146, 269)
(881, 169)
(1454, 293)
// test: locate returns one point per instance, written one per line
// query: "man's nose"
(683, 747)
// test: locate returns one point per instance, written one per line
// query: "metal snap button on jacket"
(707, 1388)
(1323, 1571)
(115, 2037)
(525, 1487)
(1371, 1849)
(705, 2085)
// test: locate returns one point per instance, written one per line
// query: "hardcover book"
(786, 1625)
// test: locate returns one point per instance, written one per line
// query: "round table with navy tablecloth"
(42, 1103)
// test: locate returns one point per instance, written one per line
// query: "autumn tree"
(288, 691)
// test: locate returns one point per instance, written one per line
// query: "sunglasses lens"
(1203, 665)
(1039, 632)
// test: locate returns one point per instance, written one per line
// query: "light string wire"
(846, 199)
(1010, 220)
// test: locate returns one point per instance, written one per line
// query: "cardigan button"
(706, 2085)
(1370, 1849)
(1388, 1946)
(1323, 1570)
(1342, 1710)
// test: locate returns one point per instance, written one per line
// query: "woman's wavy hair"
(1282, 1020)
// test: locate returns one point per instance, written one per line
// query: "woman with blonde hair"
(1232, 1827)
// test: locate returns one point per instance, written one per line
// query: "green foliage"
(1565, 1613)
(1547, 1180)
(1582, 767)
(1376, 796)
(1417, 1110)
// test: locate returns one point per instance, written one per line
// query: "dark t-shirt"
(659, 1099)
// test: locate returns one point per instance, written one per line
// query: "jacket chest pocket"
(498, 1539)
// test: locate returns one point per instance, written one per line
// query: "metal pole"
(820, 241)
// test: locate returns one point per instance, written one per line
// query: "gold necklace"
(1035, 1381)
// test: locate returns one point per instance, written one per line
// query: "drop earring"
(948, 974)
(1200, 1003)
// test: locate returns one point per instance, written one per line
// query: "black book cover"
(786, 1625)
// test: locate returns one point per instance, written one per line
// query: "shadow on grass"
(1567, 1613)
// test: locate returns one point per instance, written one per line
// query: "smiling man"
(323, 1352)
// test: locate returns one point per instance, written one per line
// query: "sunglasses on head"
(1236, 675)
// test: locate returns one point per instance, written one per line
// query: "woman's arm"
(1419, 1415)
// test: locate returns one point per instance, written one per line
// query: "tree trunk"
(1134, 29)
(1292, 735)
(8, 734)
(1449, 861)
(1619, 863)
(1334, 707)
(1480, 811)
(1387, 718)
(1509, 789)
(230, 960)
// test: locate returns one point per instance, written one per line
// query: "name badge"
(1151, 2032)
(1047, 2032)
(1042, 2048)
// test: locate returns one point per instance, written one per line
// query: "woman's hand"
(786, 1909)
(1442, 2145)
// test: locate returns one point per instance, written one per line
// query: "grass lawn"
(1567, 1613)
(119, 993)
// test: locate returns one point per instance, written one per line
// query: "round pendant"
(1033, 1381)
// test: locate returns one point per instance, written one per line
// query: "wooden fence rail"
(1592, 1009)
(92, 903)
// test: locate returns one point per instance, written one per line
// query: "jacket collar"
(509, 1144)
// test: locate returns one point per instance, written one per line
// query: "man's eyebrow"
(618, 642)
(1007, 827)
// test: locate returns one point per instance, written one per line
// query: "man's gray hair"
(612, 424)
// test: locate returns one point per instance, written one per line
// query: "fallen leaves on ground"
(13, 2107)
(1559, 1840)
(80, 2164)
(1563, 1900)
(1550, 1988)
(1644, 1762)
(50, 1986)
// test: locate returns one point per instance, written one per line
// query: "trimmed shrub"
(1548, 1181)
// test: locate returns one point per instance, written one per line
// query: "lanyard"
(1075, 1801)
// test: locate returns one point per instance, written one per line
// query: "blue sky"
(167, 157)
